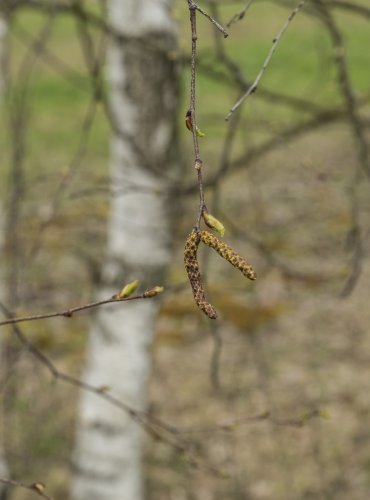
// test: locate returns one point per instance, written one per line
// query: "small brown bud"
(152, 292)
(198, 165)
(188, 121)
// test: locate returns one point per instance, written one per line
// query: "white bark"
(3, 35)
(3, 32)
(143, 86)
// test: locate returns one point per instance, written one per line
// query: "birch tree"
(3, 33)
(143, 97)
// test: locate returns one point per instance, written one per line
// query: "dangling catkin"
(229, 254)
(192, 269)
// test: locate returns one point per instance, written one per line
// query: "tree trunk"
(3, 36)
(3, 33)
(145, 166)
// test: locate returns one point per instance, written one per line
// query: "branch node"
(198, 165)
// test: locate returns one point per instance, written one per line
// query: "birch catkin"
(229, 254)
(192, 269)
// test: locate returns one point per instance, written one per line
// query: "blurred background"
(274, 397)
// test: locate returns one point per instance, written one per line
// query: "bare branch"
(198, 162)
(240, 15)
(351, 6)
(359, 136)
(290, 133)
(345, 87)
(68, 313)
(155, 427)
(275, 43)
(233, 424)
(194, 6)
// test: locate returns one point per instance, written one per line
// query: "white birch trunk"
(3, 33)
(143, 87)
(3, 36)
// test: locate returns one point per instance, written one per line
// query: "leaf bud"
(152, 292)
(199, 132)
(214, 223)
(127, 290)
(189, 125)
(39, 487)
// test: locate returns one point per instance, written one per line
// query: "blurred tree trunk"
(3, 33)
(145, 167)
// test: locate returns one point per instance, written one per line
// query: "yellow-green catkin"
(229, 254)
(192, 269)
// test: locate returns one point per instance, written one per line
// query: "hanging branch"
(196, 236)
(191, 112)
(275, 43)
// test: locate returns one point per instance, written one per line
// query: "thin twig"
(51, 60)
(18, 117)
(287, 271)
(234, 424)
(345, 87)
(292, 132)
(239, 15)
(68, 313)
(214, 368)
(93, 64)
(233, 76)
(37, 488)
(194, 6)
(198, 164)
(354, 240)
(275, 43)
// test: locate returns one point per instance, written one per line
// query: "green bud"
(214, 223)
(152, 292)
(127, 290)
(199, 132)
(39, 487)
